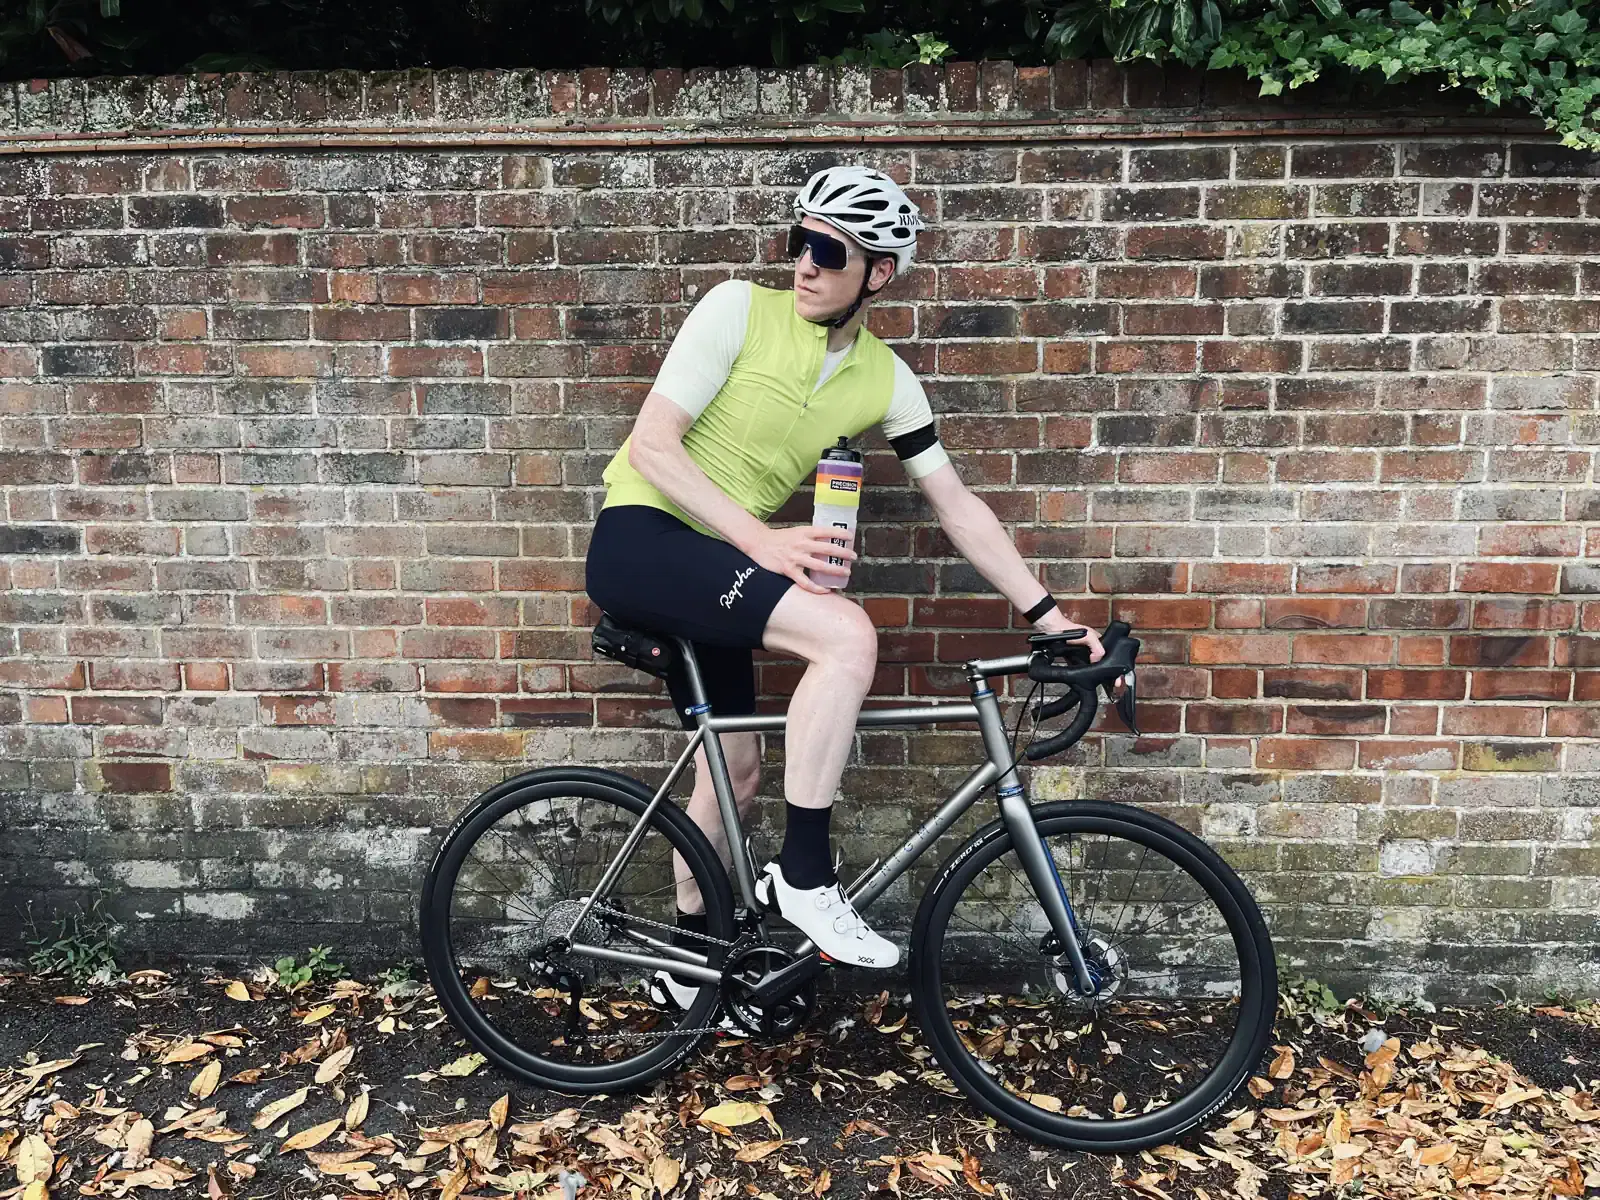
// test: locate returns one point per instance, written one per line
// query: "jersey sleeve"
(703, 352)
(909, 425)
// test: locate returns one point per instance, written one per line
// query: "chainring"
(745, 970)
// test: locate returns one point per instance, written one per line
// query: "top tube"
(1014, 664)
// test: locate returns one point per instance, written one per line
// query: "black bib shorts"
(647, 568)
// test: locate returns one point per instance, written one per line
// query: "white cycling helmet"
(867, 205)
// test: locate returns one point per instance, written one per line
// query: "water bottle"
(838, 500)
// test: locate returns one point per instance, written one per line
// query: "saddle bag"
(632, 647)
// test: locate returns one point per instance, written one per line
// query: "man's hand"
(1054, 622)
(794, 550)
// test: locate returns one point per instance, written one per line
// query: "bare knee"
(853, 646)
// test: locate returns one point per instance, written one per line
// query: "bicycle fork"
(1032, 852)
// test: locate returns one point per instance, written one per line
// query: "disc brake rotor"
(1108, 969)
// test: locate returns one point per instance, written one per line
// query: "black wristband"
(1039, 609)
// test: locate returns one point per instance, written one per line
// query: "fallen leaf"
(356, 1113)
(665, 1172)
(308, 1138)
(1283, 1065)
(238, 991)
(465, 1065)
(37, 1190)
(136, 1148)
(35, 1073)
(206, 1081)
(279, 1108)
(732, 1113)
(499, 1110)
(1435, 1155)
(186, 1052)
(320, 1012)
(756, 1151)
(72, 1000)
(741, 1083)
(969, 1172)
(34, 1159)
(334, 1064)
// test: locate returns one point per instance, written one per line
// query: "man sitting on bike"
(757, 383)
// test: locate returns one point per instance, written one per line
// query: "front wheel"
(1184, 980)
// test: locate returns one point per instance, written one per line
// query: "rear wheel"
(498, 907)
(1185, 980)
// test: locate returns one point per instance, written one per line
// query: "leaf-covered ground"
(203, 1084)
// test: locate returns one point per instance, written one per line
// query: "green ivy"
(1544, 53)
(891, 48)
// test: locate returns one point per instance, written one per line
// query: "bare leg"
(743, 752)
(836, 639)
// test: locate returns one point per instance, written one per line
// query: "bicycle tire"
(1257, 961)
(439, 955)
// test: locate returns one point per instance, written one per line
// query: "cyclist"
(757, 383)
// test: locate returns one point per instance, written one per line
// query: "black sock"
(804, 858)
(690, 923)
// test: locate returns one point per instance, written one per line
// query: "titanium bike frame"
(1000, 768)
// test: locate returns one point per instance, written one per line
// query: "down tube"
(971, 788)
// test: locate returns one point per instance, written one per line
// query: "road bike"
(1091, 974)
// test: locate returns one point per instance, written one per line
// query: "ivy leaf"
(1404, 13)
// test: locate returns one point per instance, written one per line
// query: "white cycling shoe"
(666, 992)
(826, 916)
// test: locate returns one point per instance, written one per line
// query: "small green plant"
(294, 976)
(83, 946)
(891, 48)
(1302, 994)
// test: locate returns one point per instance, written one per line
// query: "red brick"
(1502, 720)
(1342, 648)
(1296, 612)
(136, 777)
(1305, 754)
(1242, 648)
(1521, 685)
(1164, 614)
(1370, 579)
(1507, 577)
(1524, 614)
(1241, 577)
(1336, 720)
(1238, 719)
(1472, 650)
(1410, 756)
(1416, 685)
(1233, 683)
(1304, 683)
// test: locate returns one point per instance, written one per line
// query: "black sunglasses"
(829, 253)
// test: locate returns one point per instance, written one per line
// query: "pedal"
(764, 896)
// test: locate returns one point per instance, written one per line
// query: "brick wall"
(308, 382)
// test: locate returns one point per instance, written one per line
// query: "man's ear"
(882, 273)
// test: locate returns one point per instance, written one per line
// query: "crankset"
(743, 974)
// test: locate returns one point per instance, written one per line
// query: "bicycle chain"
(703, 937)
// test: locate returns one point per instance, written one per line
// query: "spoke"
(515, 849)
(510, 891)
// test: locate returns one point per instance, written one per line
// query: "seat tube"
(721, 781)
(1031, 850)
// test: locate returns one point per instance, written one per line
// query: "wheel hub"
(1108, 968)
